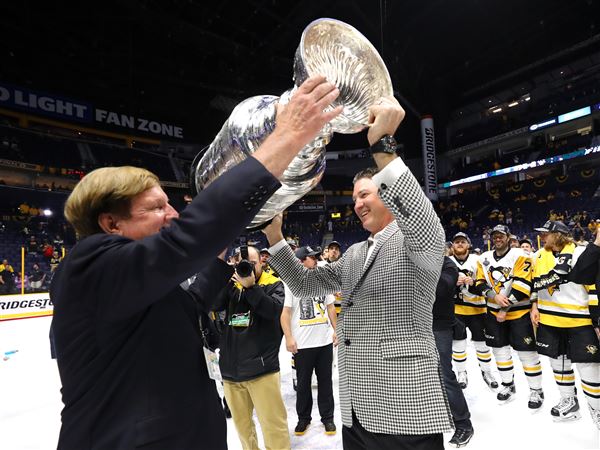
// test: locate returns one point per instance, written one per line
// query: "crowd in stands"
(44, 238)
(30, 238)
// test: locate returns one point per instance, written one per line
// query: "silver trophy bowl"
(346, 58)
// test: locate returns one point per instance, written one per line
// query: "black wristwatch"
(387, 144)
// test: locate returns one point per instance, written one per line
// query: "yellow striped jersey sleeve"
(522, 276)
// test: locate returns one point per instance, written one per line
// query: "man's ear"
(109, 223)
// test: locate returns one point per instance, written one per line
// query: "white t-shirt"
(310, 322)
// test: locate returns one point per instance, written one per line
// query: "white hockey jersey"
(468, 303)
(510, 275)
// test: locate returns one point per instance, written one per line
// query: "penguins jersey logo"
(499, 276)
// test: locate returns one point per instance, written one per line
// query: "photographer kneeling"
(249, 350)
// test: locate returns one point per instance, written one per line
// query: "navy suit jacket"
(128, 344)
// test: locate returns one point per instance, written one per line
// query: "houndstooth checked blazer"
(388, 361)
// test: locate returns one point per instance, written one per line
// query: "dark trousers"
(357, 438)
(320, 360)
(456, 398)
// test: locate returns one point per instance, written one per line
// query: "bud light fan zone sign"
(13, 307)
(70, 110)
(44, 104)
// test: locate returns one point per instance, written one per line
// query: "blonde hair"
(562, 240)
(108, 189)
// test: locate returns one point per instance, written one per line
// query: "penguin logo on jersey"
(592, 349)
(528, 340)
(499, 276)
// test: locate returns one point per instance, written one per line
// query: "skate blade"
(459, 445)
(505, 402)
(570, 418)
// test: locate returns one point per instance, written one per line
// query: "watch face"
(387, 144)
(390, 144)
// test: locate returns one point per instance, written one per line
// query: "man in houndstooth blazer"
(391, 390)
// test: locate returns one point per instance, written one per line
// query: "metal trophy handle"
(346, 58)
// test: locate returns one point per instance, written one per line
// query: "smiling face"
(149, 212)
(500, 241)
(369, 208)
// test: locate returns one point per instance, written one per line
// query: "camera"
(244, 268)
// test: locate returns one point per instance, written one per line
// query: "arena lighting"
(575, 114)
(497, 110)
(511, 104)
(522, 167)
(47, 212)
(547, 123)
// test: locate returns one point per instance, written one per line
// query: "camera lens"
(244, 268)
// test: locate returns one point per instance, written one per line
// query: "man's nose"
(172, 213)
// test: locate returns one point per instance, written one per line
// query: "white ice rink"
(30, 404)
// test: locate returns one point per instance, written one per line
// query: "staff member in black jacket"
(128, 344)
(249, 357)
(443, 324)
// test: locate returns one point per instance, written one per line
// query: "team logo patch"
(592, 349)
(528, 340)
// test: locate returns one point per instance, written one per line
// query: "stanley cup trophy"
(347, 59)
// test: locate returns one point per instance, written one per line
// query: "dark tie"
(370, 241)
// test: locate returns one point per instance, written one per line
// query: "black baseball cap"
(305, 251)
(525, 241)
(461, 235)
(501, 229)
(554, 226)
(334, 243)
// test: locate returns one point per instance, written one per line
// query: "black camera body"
(244, 268)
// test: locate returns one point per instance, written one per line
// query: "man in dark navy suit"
(128, 345)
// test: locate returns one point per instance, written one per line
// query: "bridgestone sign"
(429, 168)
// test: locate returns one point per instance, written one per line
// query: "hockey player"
(470, 310)
(565, 332)
(504, 277)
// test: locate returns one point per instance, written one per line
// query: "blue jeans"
(456, 398)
